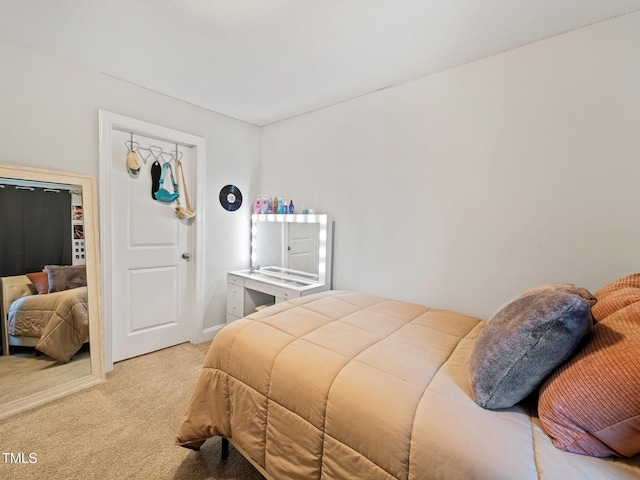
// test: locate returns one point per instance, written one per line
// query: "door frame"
(108, 122)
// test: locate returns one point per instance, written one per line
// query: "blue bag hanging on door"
(163, 195)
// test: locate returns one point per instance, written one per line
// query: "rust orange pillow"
(40, 280)
(591, 404)
(617, 295)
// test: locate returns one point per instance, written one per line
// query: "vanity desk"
(290, 257)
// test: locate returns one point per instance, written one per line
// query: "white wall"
(49, 119)
(465, 188)
(458, 191)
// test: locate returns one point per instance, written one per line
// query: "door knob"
(186, 255)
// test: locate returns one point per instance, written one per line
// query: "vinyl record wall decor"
(230, 198)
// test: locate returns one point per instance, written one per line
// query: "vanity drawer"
(232, 318)
(235, 292)
(235, 308)
(235, 280)
(276, 291)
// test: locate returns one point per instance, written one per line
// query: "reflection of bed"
(56, 324)
(346, 385)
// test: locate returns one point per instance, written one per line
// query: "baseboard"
(209, 333)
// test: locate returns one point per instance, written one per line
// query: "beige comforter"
(60, 320)
(343, 385)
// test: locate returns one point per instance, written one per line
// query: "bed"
(56, 324)
(343, 384)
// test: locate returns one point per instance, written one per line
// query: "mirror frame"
(89, 200)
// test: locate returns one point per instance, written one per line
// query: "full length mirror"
(51, 335)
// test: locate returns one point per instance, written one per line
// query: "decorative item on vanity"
(230, 198)
(276, 205)
(291, 256)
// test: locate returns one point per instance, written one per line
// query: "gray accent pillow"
(65, 277)
(566, 288)
(523, 343)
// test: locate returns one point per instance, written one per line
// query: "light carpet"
(123, 428)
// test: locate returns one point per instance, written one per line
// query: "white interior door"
(149, 274)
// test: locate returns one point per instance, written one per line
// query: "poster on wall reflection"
(76, 213)
(78, 232)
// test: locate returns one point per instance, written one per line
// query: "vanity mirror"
(290, 257)
(28, 379)
(294, 247)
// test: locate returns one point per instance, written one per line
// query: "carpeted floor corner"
(123, 428)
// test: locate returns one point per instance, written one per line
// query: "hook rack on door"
(152, 151)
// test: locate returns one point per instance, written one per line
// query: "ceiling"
(261, 61)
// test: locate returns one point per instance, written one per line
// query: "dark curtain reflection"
(35, 229)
